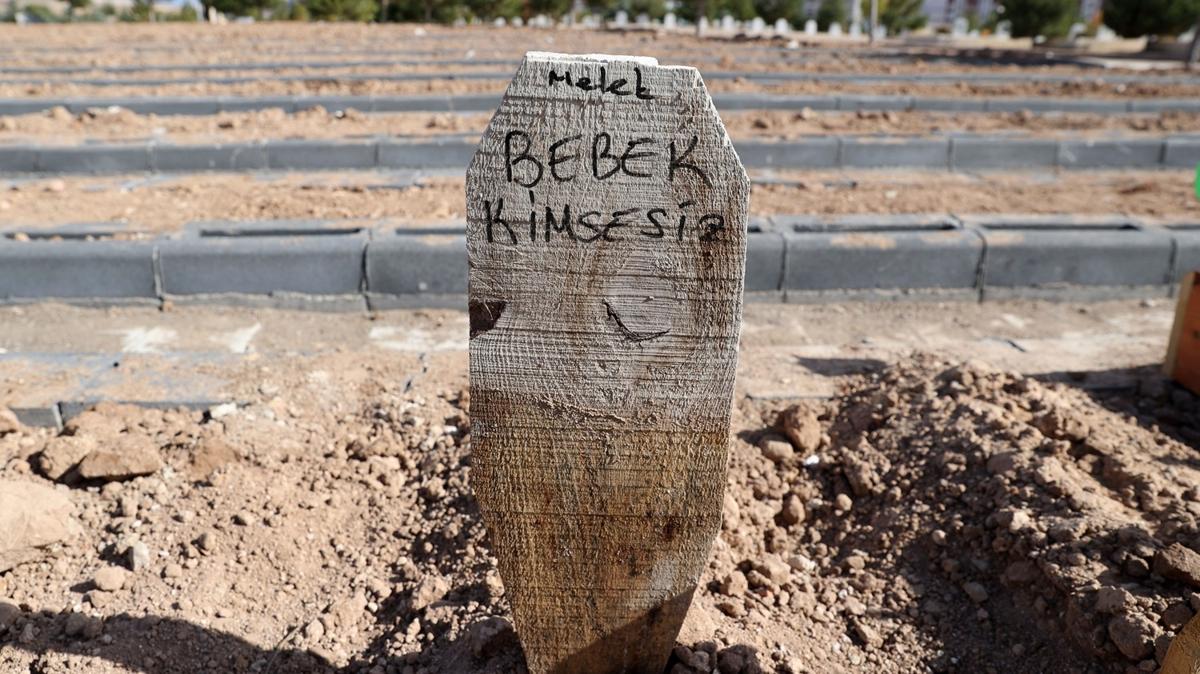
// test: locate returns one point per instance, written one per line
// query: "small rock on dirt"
(138, 556)
(209, 456)
(32, 517)
(1179, 563)
(1112, 599)
(63, 453)
(8, 615)
(82, 625)
(776, 448)
(429, 590)
(1133, 635)
(866, 634)
(110, 578)
(801, 426)
(130, 456)
(976, 591)
(8, 421)
(792, 512)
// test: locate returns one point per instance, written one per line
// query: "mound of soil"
(932, 517)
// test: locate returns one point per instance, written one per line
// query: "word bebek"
(525, 169)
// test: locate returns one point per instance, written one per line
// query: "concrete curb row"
(347, 266)
(54, 415)
(856, 79)
(210, 105)
(965, 152)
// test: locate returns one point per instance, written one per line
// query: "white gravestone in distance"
(606, 232)
(810, 27)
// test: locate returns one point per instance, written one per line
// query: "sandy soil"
(59, 126)
(170, 44)
(930, 516)
(166, 203)
(333, 86)
(99, 46)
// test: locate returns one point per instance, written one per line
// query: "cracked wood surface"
(606, 215)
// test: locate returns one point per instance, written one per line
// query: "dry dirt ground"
(925, 514)
(182, 45)
(331, 85)
(59, 126)
(127, 205)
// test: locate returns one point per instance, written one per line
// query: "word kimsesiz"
(593, 226)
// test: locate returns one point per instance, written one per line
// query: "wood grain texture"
(1183, 351)
(603, 353)
(1183, 656)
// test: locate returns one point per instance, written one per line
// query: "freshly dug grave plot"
(932, 517)
(60, 126)
(164, 44)
(331, 85)
(167, 203)
(1147, 89)
(724, 59)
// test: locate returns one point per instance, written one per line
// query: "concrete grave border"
(210, 105)
(350, 266)
(452, 151)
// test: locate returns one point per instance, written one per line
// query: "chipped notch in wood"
(483, 315)
(631, 335)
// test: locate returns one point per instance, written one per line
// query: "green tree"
(256, 8)
(773, 10)
(898, 16)
(551, 8)
(140, 10)
(488, 10)
(342, 10)
(1050, 18)
(1135, 18)
(742, 10)
(830, 12)
(692, 10)
(655, 9)
(187, 13)
(428, 11)
(74, 6)
(40, 14)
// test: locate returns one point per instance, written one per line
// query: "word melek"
(618, 87)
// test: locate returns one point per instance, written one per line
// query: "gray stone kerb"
(958, 152)
(746, 75)
(970, 257)
(209, 105)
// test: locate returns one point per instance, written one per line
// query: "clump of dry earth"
(934, 516)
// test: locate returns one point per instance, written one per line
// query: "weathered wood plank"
(1183, 352)
(1183, 656)
(606, 215)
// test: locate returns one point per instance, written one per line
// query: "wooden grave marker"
(606, 230)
